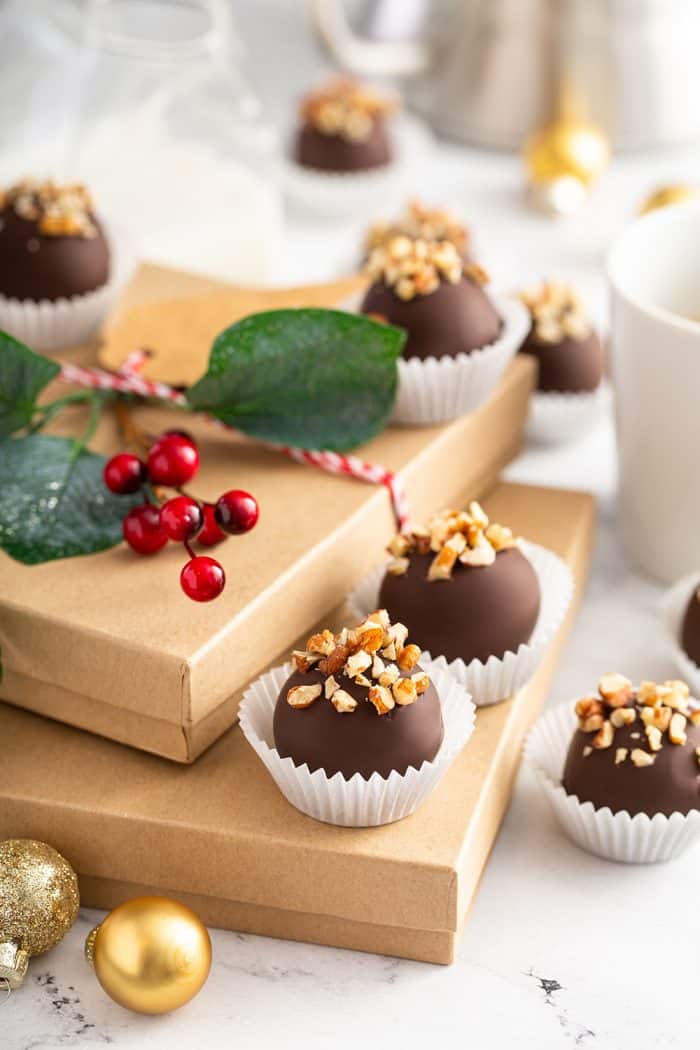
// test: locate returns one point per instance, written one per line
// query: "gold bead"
(569, 146)
(39, 903)
(151, 954)
(676, 193)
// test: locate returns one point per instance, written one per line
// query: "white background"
(561, 950)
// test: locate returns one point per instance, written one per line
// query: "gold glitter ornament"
(39, 903)
(562, 160)
(151, 954)
(676, 193)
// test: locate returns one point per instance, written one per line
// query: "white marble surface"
(562, 949)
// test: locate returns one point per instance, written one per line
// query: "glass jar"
(155, 114)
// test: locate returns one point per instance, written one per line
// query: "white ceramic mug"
(654, 273)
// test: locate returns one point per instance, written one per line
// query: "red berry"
(181, 517)
(142, 531)
(236, 511)
(173, 460)
(202, 579)
(124, 473)
(210, 533)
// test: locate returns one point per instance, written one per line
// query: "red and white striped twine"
(127, 381)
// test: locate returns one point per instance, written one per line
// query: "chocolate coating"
(454, 318)
(360, 741)
(35, 266)
(479, 612)
(334, 153)
(671, 784)
(571, 366)
(690, 631)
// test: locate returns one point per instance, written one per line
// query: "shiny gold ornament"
(562, 160)
(39, 903)
(151, 954)
(676, 193)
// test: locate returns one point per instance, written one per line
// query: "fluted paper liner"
(555, 418)
(499, 677)
(57, 324)
(637, 839)
(355, 803)
(333, 193)
(674, 605)
(438, 389)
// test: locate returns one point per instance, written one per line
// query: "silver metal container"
(491, 71)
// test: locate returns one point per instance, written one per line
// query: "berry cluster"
(172, 461)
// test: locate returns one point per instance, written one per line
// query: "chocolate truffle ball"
(460, 610)
(568, 351)
(332, 717)
(343, 129)
(360, 741)
(314, 149)
(569, 366)
(621, 764)
(690, 631)
(426, 288)
(51, 244)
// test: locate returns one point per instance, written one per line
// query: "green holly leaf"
(54, 502)
(318, 379)
(23, 375)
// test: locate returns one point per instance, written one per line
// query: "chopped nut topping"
(365, 654)
(620, 755)
(345, 109)
(697, 754)
(343, 702)
(604, 737)
(389, 675)
(663, 708)
(404, 691)
(422, 682)
(398, 566)
(676, 729)
(303, 695)
(59, 211)
(416, 267)
(587, 751)
(323, 643)
(591, 724)
(589, 705)
(623, 716)
(615, 689)
(464, 536)
(382, 699)
(653, 738)
(357, 663)
(303, 660)
(408, 657)
(419, 223)
(557, 313)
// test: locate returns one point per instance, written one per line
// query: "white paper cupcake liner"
(56, 325)
(442, 388)
(616, 836)
(438, 389)
(500, 677)
(355, 803)
(557, 418)
(675, 603)
(334, 194)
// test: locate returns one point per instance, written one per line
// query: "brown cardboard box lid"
(110, 644)
(219, 833)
